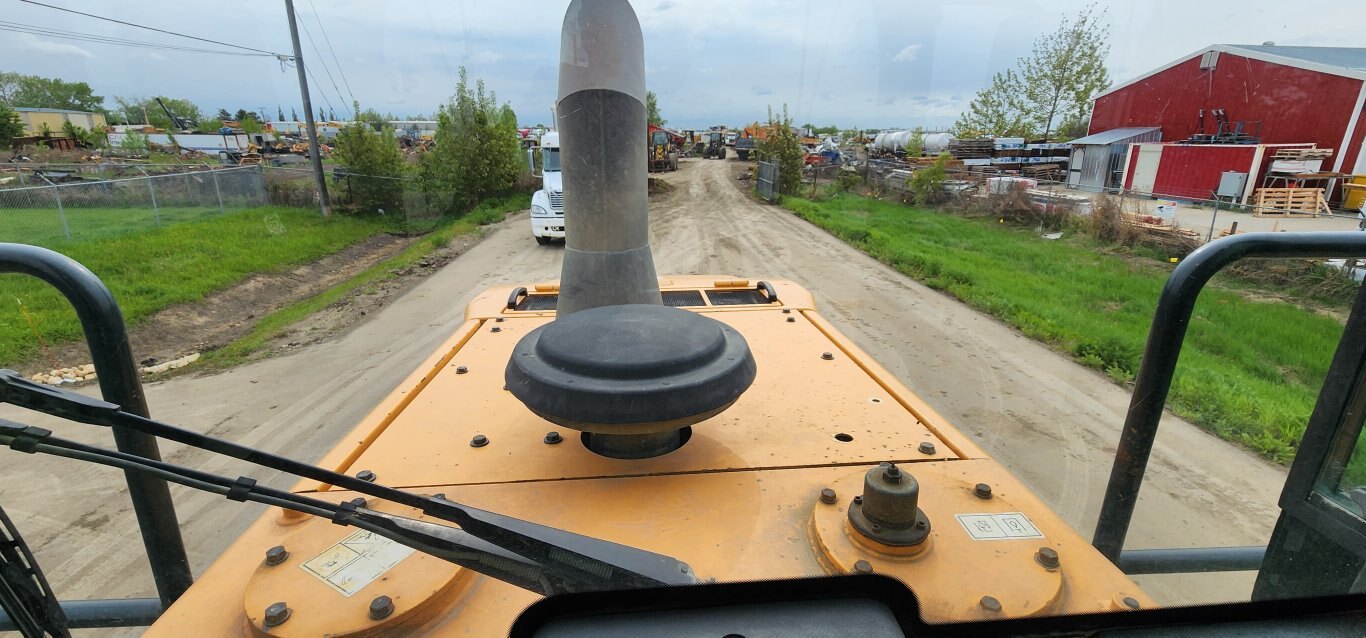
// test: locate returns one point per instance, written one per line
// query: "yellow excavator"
(619, 453)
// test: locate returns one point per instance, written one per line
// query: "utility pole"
(310, 128)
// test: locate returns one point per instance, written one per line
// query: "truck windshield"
(550, 159)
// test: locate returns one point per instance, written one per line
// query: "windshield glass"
(942, 229)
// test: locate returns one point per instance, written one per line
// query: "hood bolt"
(828, 496)
(276, 555)
(276, 614)
(381, 607)
(1048, 557)
(479, 440)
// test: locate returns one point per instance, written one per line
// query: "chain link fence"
(767, 180)
(52, 205)
(410, 209)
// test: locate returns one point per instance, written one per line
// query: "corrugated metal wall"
(1293, 104)
(1193, 171)
(1094, 161)
(1102, 164)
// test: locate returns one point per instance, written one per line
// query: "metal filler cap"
(633, 376)
(889, 511)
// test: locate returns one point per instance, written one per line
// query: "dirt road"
(1053, 422)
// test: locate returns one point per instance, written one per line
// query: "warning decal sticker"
(356, 561)
(998, 527)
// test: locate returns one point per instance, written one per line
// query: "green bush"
(782, 146)
(476, 153)
(375, 164)
(927, 184)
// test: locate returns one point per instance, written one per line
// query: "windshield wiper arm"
(561, 560)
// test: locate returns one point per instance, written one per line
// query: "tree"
(370, 116)
(293, 115)
(1053, 87)
(9, 86)
(49, 93)
(1067, 69)
(915, 146)
(224, 115)
(477, 153)
(997, 111)
(375, 161)
(652, 109)
(279, 113)
(781, 145)
(146, 109)
(10, 126)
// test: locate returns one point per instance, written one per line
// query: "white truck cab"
(547, 204)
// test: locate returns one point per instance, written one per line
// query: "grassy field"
(184, 262)
(43, 226)
(1250, 370)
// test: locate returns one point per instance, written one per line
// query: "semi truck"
(547, 204)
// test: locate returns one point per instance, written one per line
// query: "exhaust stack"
(629, 372)
(602, 122)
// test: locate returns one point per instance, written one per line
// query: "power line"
(328, 40)
(143, 26)
(309, 71)
(17, 27)
(313, 43)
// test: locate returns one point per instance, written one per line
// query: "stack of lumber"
(1173, 238)
(972, 149)
(1287, 202)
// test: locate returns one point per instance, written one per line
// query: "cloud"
(907, 54)
(30, 42)
(486, 57)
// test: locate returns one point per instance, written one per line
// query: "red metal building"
(1312, 95)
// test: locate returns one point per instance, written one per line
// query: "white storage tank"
(936, 143)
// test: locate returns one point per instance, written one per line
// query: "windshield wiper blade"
(567, 561)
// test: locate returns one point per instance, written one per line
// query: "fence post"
(217, 191)
(61, 210)
(156, 212)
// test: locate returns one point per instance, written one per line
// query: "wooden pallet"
(1290, 202)
(1041, 171)
(1302, 153)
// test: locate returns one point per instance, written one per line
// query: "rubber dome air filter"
(630, 369)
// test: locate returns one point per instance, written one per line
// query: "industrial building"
(34, 119)
(1222, 102)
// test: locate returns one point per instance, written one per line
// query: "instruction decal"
(998, 527)
(356, 561)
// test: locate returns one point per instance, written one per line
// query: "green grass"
(43, 226)
(1250, 371)
(173, 264)
(276, 323)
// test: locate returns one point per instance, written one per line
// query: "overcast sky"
(851, 63)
